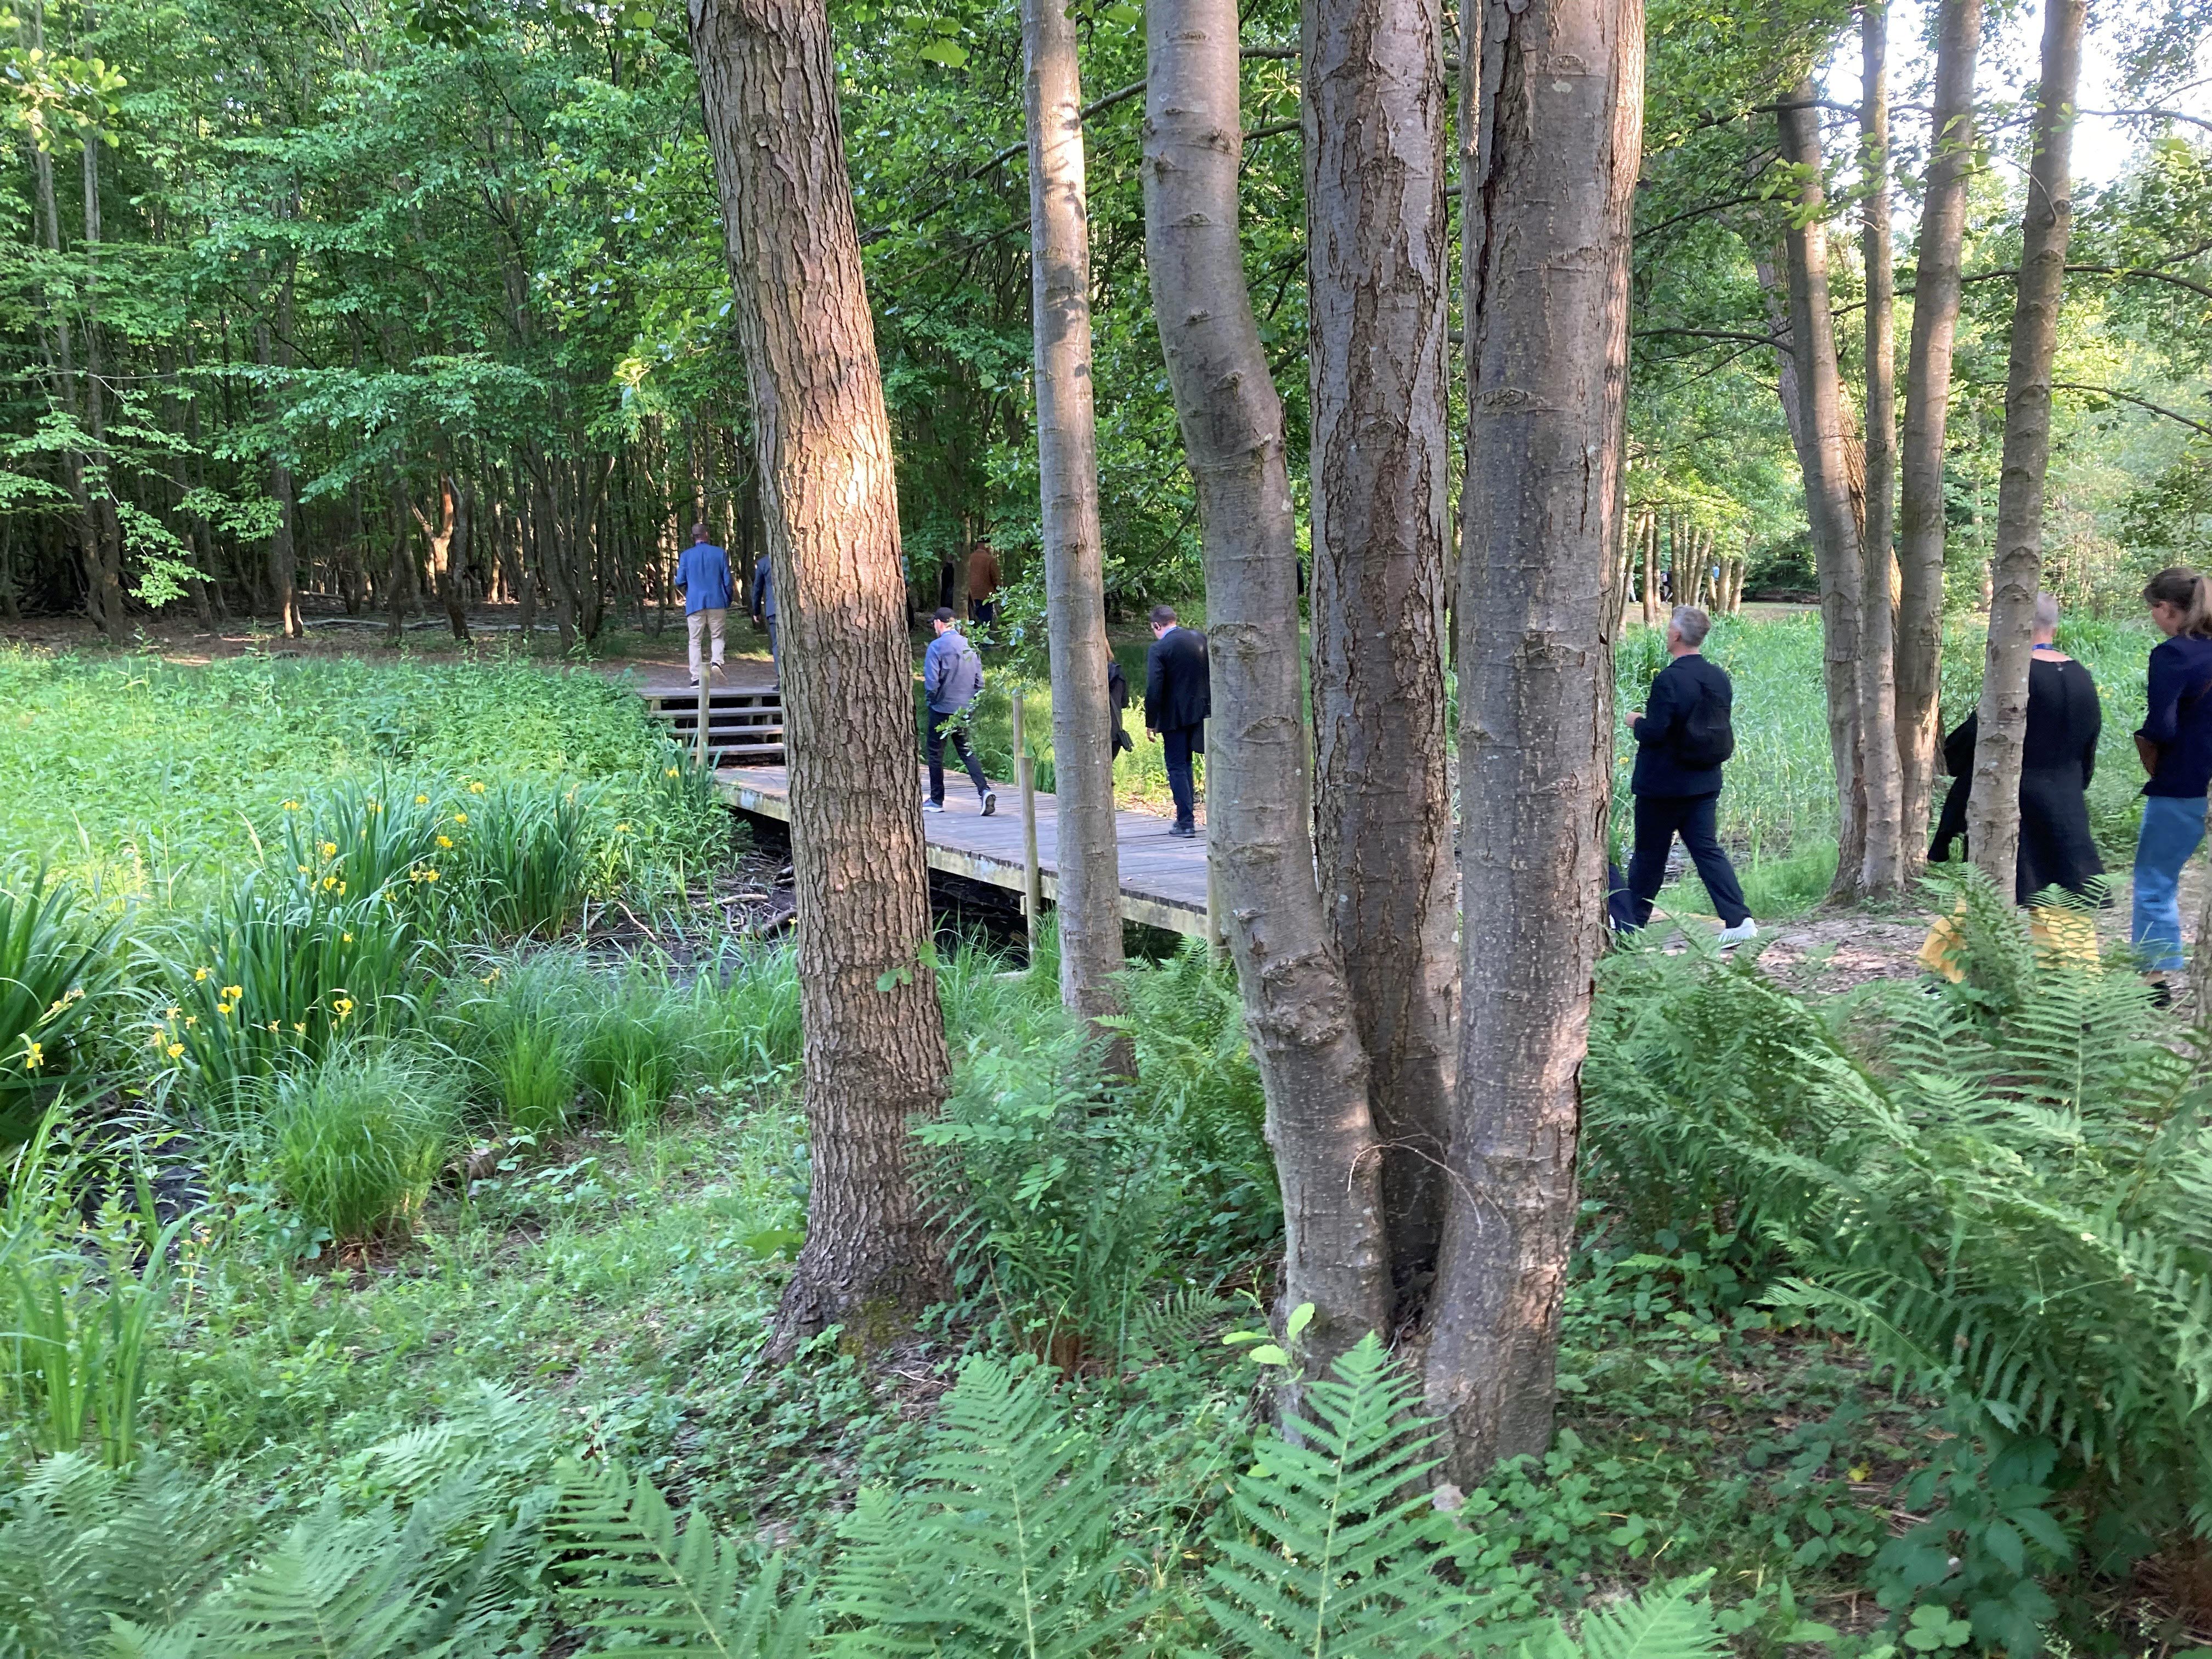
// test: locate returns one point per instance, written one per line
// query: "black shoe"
(1187, 831)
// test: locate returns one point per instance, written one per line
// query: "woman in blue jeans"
(2176, 746)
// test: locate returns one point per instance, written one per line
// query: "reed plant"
(355, 1141)
(516, 1024)
(58, 971)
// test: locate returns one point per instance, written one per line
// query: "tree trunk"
(875, 1055)
(1650, 535)
(1821, 450)
(1882, 871)
(1993, 812)
(283, 558)
(1088, 858)
(1259, 828)
(1379, 282)
(448, 541)
(1927, 405)
(399, 586)
(1552, 137)
(104, 572)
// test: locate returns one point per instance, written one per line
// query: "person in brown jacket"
(982, 584)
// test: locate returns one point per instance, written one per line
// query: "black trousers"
(1174, 745)
(942, 726)
(1659, 819)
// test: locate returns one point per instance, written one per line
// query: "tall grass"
(57, 969)
(355, 1141)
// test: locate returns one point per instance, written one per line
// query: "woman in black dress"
(2058, 758)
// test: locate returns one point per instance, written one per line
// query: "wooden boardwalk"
(1163, 875)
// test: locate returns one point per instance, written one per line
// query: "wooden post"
(1217, 941)
(1032, 879)
(706, 684)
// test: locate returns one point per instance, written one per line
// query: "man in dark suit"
(1683, 736)
(1177, 700)
(764, 609)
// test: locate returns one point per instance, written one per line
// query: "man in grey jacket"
(951, 679)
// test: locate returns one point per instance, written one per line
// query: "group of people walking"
(1684, 737)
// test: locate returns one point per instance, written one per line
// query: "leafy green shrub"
(357, 1141)
(56, 968)
(517, 1025)
(2001, 1187)
(271, 977)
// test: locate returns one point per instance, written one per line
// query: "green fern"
(643, 1575)
(1672, 1623)
(1340, 1550)
(1004, 1546)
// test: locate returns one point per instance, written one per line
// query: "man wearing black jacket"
(1683, 736)
(1177, 700)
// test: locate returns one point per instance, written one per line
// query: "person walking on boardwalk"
(764, 609)
(951, 679)
(2058, 758)
(983, 585)
(703, 575)
(1684, 735)
(1178, 696)
(2175, 743)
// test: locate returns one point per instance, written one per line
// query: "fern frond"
(1005, 1542)
(1341, 1547)
(1672, 1623)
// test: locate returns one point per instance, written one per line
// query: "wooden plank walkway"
(1163, 875)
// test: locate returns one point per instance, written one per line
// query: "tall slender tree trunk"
(1551, 136)
(1649, 532)
(448, 540)
(105, 573)
(1089, 859)
(875, 1055)
(1927, 406)
(1380, 290)
(1882, 870)
(1993, 812)
(1821, 451)
(1259, 819)
(284, 548)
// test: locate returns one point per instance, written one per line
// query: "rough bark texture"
(1259, 823)
(1883, 866)
(1379, 288)
(1552, 129)
(1926, 405)
(1993, 813)
(1089, 902)
(874, 1045)
(1820, 435)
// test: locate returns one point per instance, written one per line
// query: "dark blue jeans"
(941, 726)
(1174, 747)
(1696, 818)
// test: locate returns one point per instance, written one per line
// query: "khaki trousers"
(702, 623)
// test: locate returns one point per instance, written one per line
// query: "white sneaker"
(932, 806)
(1730, 938)
(990, 804)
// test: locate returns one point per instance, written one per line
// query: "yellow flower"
(160, 1036)
(621, 828)
(300, 1026)
(421, 800)
(429, 875)
(175, 1050)
(446, 841)
(223, 1008)
(346, 939)
(291, 807)
(341, 1006)
(460, 818)
(233, 993)
(672, 771)
(329, 849)
(199, 973)
(342, 895)
(191, 1020)
(173, 1012)
(33, 1055)
(301, 868)
(274, 1025)
(475, 789)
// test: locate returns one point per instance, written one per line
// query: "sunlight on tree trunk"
(1552, 117)
(1927, 404)
(1883, 867)
(1380, 287)
(1993, 811)
(1259, 816)
(1088, 858)
(875, 1053)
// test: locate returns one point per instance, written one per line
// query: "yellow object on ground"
(2059, 934)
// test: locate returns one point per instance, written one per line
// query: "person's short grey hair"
(2046, 610)
(1692, 624)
